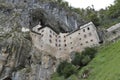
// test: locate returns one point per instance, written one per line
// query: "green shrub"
(90, 52)
(66, 69)
(83, 58)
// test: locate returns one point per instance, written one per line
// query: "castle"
(45, 39)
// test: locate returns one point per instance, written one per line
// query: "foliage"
(66, 69)
(105, 66)
(83, 58)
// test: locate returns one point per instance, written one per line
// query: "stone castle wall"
(63, 43)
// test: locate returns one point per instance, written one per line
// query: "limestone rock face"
(20, 60)
(25, 12)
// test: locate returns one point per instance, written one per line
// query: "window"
(79, 33)
(90, 34)
(70, 42)
(53, 33)
(71, 47)
(91, 40)
(81, 44)
(86, 41)
(59, 45)
(50, 31)
(59, 48)
(25, 1)
(64, 40)
(41, 45)
(50, 41)
(70, 37)
(64, 36)
(56, 40)
(65, 45)
(42, 30)
(56, 35)
(50, 36)
(80, 39)
(83, 30)
(114, 32)
(85, 36)
(59, 36)
(59, 40)
(88, 28)
(56, 45)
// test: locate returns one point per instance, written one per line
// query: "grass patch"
(105, 66)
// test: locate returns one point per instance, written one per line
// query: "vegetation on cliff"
(105, 66)
(66, 69)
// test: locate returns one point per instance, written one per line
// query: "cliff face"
(24, 13)
(19, 59)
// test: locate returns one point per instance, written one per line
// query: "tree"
(83, 58)
(66, 69)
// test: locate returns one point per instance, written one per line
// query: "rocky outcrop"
(23, 12)
(19, 59)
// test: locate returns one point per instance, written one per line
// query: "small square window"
(85, 36)
(59, 45)
(50, 41)
(81, 44)
(91, 40)
(56, 45)
(86, 41)
(41, 45)
(56, 40)
(59, 40)
(83, 30)
(71, 47)
(90, 34)
(70, 42)
(64, 40)
(25, 1)
(50, 36)
(88, 28)
(65, 45)
(80, 39)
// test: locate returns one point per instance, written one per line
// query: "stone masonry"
(60, 45)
